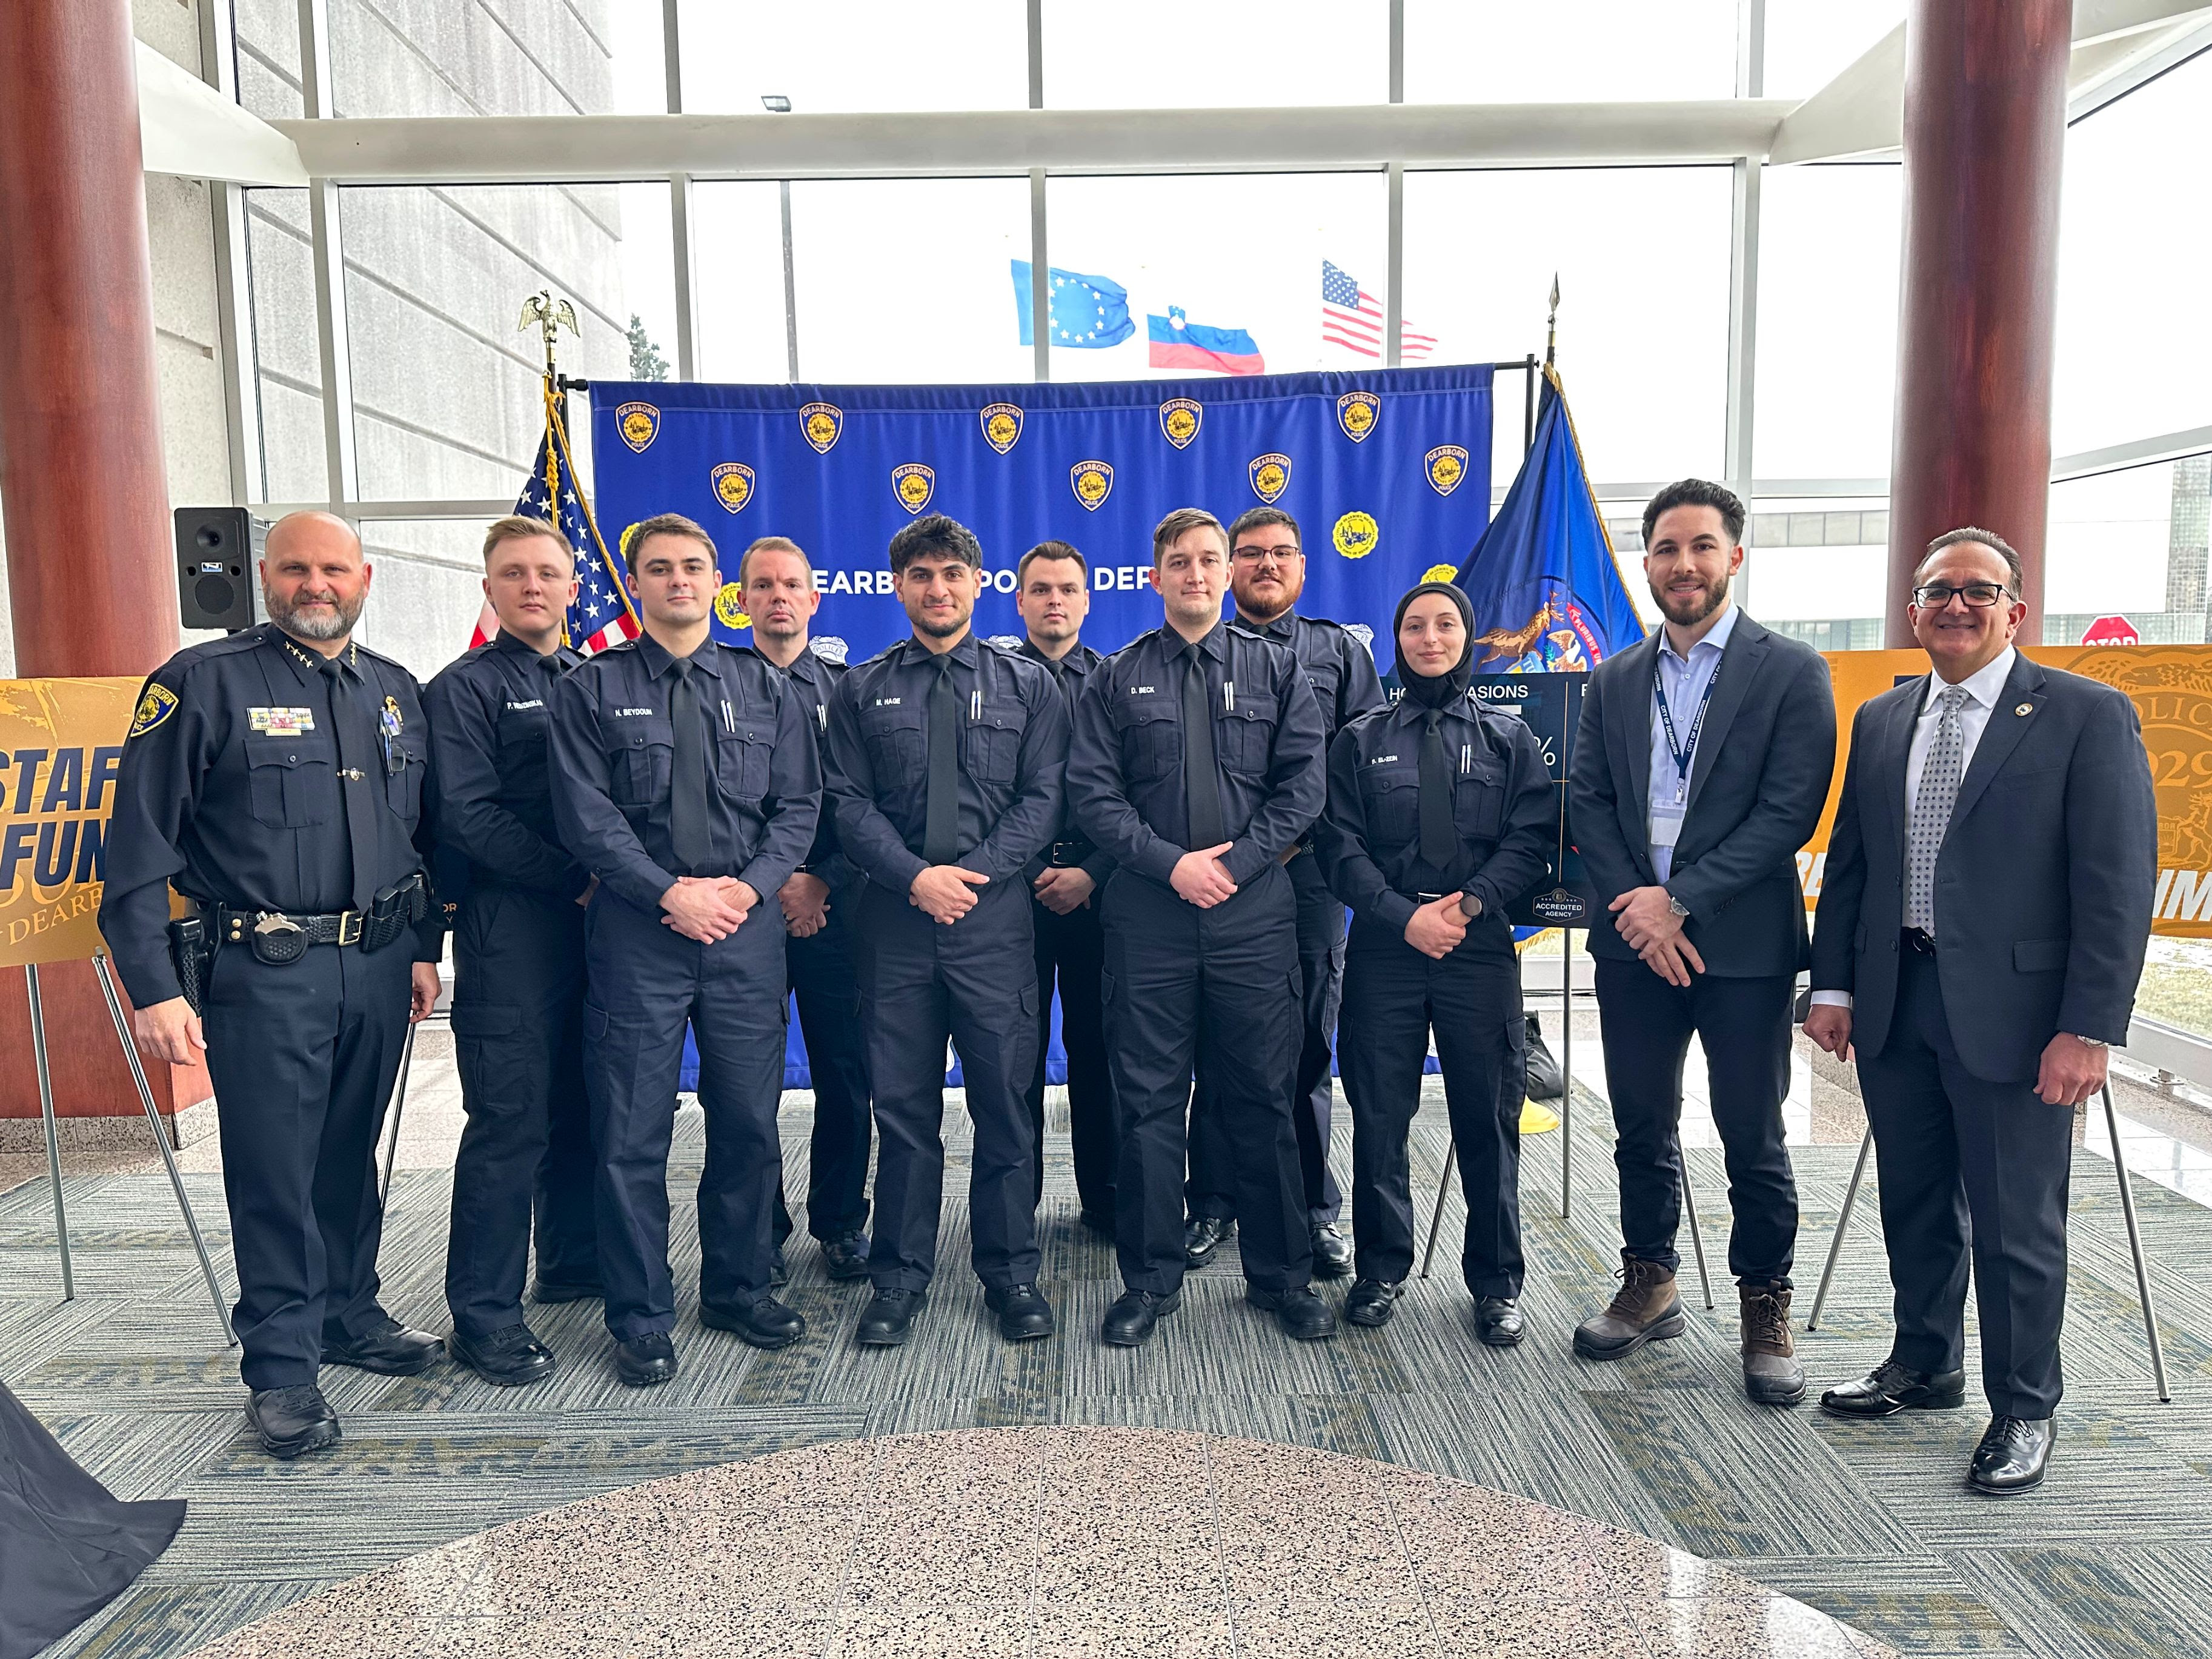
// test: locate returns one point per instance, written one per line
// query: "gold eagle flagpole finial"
(551, 315)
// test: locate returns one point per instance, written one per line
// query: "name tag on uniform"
(281, 722)
(535, 703)
(1666, 823)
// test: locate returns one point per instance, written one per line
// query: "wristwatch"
(1677, 906)
(1469, 906)
(2088, 1042)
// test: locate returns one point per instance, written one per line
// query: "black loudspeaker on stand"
(217, 551)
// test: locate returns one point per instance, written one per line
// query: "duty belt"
(278, 937)
(1065, 855)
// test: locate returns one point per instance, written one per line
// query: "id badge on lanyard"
(1669, 808)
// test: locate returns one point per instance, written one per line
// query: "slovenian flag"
(1178, 343)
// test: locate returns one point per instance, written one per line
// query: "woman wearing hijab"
(1440, 814)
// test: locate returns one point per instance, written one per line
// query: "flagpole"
(1551, 324)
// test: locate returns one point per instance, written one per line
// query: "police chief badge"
(730, 606)
(639, 424)
(734, 484)
(1357, 413)
(1270, 475)
(156, 705)
(1355, 535)
(1180, 418)
(1092, 483)
(913, 484)
(1445, 467)
(390, 718)
(1002, 426)
(820, 424)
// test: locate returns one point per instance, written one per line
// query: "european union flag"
(1546, 588)
(1089, 314)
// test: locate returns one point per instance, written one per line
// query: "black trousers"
(1217, 988)
(829, 996)
(921, 983)
(648, 982)
(525, 1152)
(1744, 1027)
(1967, 1164)
(1072, 949)
(303, 1058)
(1393, 996)
(1212, 1189)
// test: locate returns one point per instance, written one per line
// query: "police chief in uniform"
(525, 1165)
(1266, 573)
(945, 763)
(686, 779)
(1052, 594)
(1441, 813)
(781, 598)
(277, 778)
(1197, 764)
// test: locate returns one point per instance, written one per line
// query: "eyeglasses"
(1979, 596)
(1263, 555)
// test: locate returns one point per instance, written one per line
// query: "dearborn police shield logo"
(734, 484)
(820, 424)
(1355, 535)
(1357, 413)
(730, 606)
(639, 424)
(1270, 475)
(1002, 426)
(156, 705)
(1180, 419)
(1092, 483)
(1445, 466)
(913, 484)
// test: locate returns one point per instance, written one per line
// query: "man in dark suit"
(1982, 925)
(1700, 769)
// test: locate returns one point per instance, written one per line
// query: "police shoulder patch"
(158, 704)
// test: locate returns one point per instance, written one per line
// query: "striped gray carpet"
(2113, 1559)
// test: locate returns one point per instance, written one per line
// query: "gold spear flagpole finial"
(550, 314)
(1551, 323)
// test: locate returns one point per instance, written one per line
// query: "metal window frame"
(341, 454)
(233, 283)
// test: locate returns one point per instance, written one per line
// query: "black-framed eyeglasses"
(1979, 596)
(1261, 555)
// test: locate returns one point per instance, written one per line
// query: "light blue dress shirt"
(1683, 683)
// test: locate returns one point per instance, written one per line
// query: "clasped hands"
(1645, 918)
(708, 908)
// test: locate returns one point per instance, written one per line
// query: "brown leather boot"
(1772, 1375)
(1644, 1309)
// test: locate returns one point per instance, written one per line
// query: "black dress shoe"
(1891, 1387)
(1302, 1312)
(511, 1356)
(2013, 1454)
(390, 1350)
(1203, 1236)
(1497, 1320)
(1372, 1302)
(292, 1420)
(548, 1292)
(846, 1257)
(1130, 1321)
(888, 1320)
(1332, 1252)
(766, 1323)
(1023, 1314)
(647, 1361)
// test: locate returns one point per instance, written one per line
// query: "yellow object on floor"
(1537, 1119)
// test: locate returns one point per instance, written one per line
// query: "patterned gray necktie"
(1931, 810)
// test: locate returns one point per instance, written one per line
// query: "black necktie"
(1439, 836)
(1201, 779)
(688, 832)
(360, 769)
(940, 835)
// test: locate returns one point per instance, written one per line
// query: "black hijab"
(1435, 691)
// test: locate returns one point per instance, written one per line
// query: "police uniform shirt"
(1338, 667)
(1125, 768)
(490, 714)
(243, 763)
(814, 678)
(1013, 755)
(1504, 806)
(614, 753)
(1070, 673)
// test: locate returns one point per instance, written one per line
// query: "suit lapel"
(1739, 666)
(1895, 755)
(2023, 690)
(1632, 725)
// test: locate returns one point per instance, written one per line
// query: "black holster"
(192, 953)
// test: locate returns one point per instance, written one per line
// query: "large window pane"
(857, 55)
(1567, 50)
(1642, 256)
(737, 232)
(428, 589)
(1231, 251)
(267, 33)
(1819, 569)
(287, 359)
(1167, 54)
(2132, 544)
(473, 56)
(1810, 42)
(1827, 322)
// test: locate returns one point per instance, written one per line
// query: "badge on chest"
(281, 722)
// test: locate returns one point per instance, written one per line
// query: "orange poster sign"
(61, 742)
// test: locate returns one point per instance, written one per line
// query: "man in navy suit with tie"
(1981, 924)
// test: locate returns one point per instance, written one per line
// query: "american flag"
(1352, 318)
(602, 615)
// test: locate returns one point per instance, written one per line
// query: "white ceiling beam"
(188, 128)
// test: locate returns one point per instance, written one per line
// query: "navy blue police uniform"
(820, 967)
(525, 1166)
(1072, 950)
(615, 749)
(1345, 685)
(922, 982)
(1219, 988)
(1504, 829)
(285, 792)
